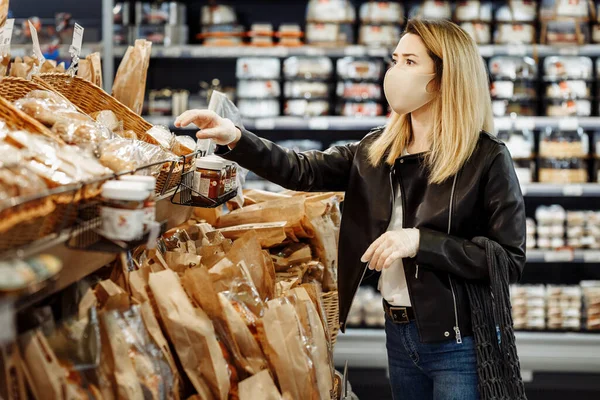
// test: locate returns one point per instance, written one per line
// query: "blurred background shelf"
(17, 50)
(538, 351)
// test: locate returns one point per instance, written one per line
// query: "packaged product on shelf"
(258, 68)
(481, 33)
(568, 67)
(591, 304)
(338, 11)
(108, 119)
(359, 91)
(306, 90)
(162, 136)
(167, 35)
(564, 144)
(381, 12)
(528, 306)
(520, 142)
(563, 307)
(565, 32)
(512, 33)
(550, 9)
(531, 231)
(473, 10)
(568, 108)
(379, 35)
(517, 11)
(122, 13)
(261, 35)
(184, 145)
(432, 9)
(290, 35)
(352, 68)
(122, 34)
(218, 15)
(258, 89)
(525, 108)
(574, 89)
(306, 108)
(122, 155)
(20, 274)
(329, 34)
(360, 109)
(550, 215)
(517, 90)
(258, 108)
(308, 68)
(170, 13)
(129, 86)
(123, 211)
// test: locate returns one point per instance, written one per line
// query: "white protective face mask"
(406, 91)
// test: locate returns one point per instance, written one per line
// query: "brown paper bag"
(292, 254)
(283, 345)
(291, 210)
(116, 348)
(211, 255)
(210, 215)
(324, 243)
(247, 249)
(270, 234)
(193, 335)
(180, 262)
(96, 65)
(12, 380)
(48, 378)
(3, 12)
(130, 82)
(153, 328)
(259, 386)
(111, 297)
(319, 346)
(88, 301)
(138, 282)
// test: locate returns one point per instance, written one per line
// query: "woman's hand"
(392, 246)
(220, 130)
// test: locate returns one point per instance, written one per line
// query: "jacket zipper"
(456, 326)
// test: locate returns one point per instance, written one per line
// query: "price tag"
(568, 124)
(573, 190)
(558, 256)
(37, 50)
(355, 51)
(525, 123)
(318, 124)
(591, 256)
(75, 48)
(265, 124)
(7, 322)
(7, 30)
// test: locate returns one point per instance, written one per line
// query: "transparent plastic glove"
(220, 130)
(390, 247)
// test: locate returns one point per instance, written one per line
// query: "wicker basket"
(90, 98)
(332, 312)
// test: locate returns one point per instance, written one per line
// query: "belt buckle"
(400, 317)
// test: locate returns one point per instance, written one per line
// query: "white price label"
(7, 31)
(559, 256)
(318, 124)
(591, 256)
(525, 123)
(568, 124)
(37, 50)
(573, 190)
(355, 51)
(77, 39)
(265, 124)
(7, 322)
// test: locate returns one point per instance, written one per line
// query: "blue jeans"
(430, 371)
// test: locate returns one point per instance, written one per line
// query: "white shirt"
(392, 282)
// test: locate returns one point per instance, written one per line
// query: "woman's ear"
(434, 85)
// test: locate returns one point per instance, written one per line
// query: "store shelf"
(558, 190)
(78, 264)
(63, 50)
(200, 52)
(563, 256)
(538, 351)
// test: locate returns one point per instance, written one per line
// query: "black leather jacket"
(484, 199)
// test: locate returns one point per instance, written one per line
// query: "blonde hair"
(461, 110)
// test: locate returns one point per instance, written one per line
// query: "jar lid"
(125, 190)
(209, 163)
(149, 181)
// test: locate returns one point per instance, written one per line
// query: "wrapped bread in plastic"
(130, 82)
(81, 133)
(162, 136)
(108, 119)
(122, 155)
(184, 145)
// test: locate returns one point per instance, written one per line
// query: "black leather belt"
(398, 315)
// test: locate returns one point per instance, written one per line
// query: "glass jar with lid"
(209, 179)
(150, 201)
(555, 143)
(122, 210)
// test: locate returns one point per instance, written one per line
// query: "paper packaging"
(228, 323)
(111, 297)
(269, 234)
(259, 386)
(193, 336)
(48, 378)
(283, 345)
(248, 249)
(3, 12)
(130, 82)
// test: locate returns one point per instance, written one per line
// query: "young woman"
(417, 192)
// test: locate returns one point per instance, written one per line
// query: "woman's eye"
(394, 62)
(409, 62)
